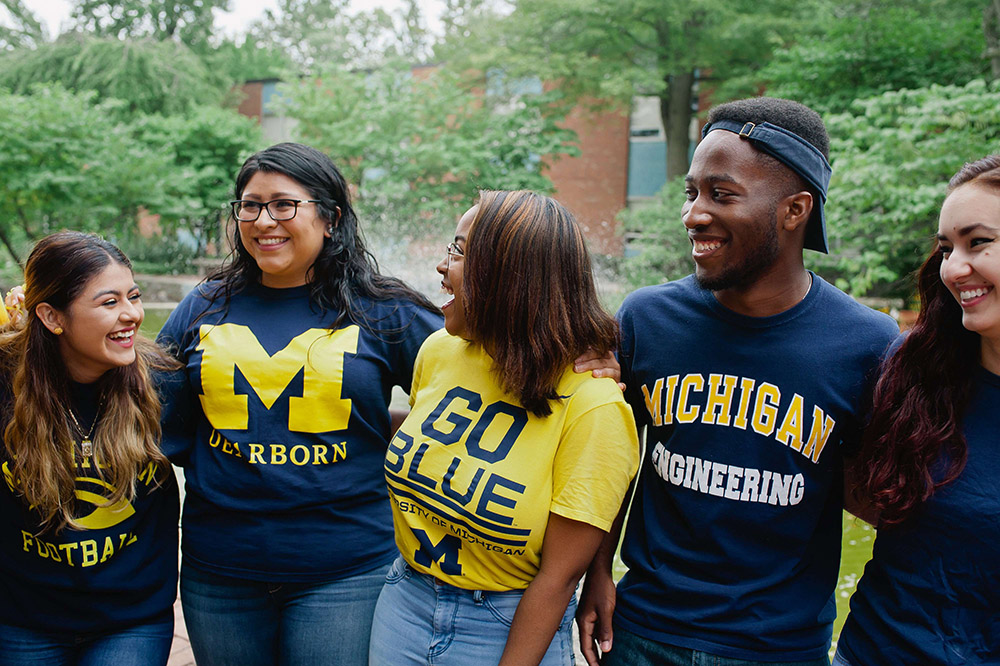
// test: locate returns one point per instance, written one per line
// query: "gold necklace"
(86, 445)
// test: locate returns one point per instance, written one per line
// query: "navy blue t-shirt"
(733, 540)
(284, 476)
(119, 571)
(931, 592)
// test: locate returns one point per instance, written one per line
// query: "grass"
(153, 321)
(856, 550)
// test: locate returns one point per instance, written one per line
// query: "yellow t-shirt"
(473, 475)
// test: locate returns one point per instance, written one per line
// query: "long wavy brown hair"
(38, 436)
(914, 442)
(529, 290)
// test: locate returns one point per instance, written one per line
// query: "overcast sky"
(53, 13)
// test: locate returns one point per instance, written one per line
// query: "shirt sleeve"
(417, 323)
(178, 418)
(597, 457)
(175, 334)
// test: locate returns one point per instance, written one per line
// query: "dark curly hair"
(914, 442)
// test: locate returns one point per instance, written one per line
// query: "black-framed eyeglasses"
(453, 251)
(280, 210)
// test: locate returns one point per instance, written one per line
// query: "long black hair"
(345, 269)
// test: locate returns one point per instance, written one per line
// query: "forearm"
(604, 558)
(537, 619)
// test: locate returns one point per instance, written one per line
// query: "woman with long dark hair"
(88, 507)
(292, 350)
(510, 467)
(931, 456)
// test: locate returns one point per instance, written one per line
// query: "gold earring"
(57, 330)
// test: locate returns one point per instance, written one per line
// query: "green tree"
(205, 148)
(151, 77)
(861, 48)
(418, 149)
(602, 50)
(23, 29)
(247, 60)
(319, 34)
(70, 163)
(991, 32)
(187, 21)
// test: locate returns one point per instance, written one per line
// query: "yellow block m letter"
(320, 352)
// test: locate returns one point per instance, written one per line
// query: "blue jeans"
(141, 645)
(420, 620)
(237, 622)
(631, 650)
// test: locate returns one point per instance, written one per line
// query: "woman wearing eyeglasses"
(510, 467)
(291, 350)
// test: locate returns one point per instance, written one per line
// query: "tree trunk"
(10, 247)
(675, 110)
(991, 30)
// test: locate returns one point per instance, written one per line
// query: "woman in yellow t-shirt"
(510, 467)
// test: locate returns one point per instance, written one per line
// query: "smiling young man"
(749, 379)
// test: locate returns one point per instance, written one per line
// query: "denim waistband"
(440, 586)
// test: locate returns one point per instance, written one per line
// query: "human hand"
(599, 366)
(594, 613)
(14, 304)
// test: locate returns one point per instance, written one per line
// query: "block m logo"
(444, 552)
(317, 352)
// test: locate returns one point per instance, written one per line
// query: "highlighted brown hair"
(529, 290)
(36, 427)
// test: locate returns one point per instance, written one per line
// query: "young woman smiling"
(929, 467)
(292, 350)
(88, 507)
(510, 467)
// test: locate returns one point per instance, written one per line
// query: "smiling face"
(452, 270)
(969, 239)
(99, 325)
(284, 251)
(730, 213)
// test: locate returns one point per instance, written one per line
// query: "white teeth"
(122, 335)
(271, 241)
(706, 246)
(972, 293)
